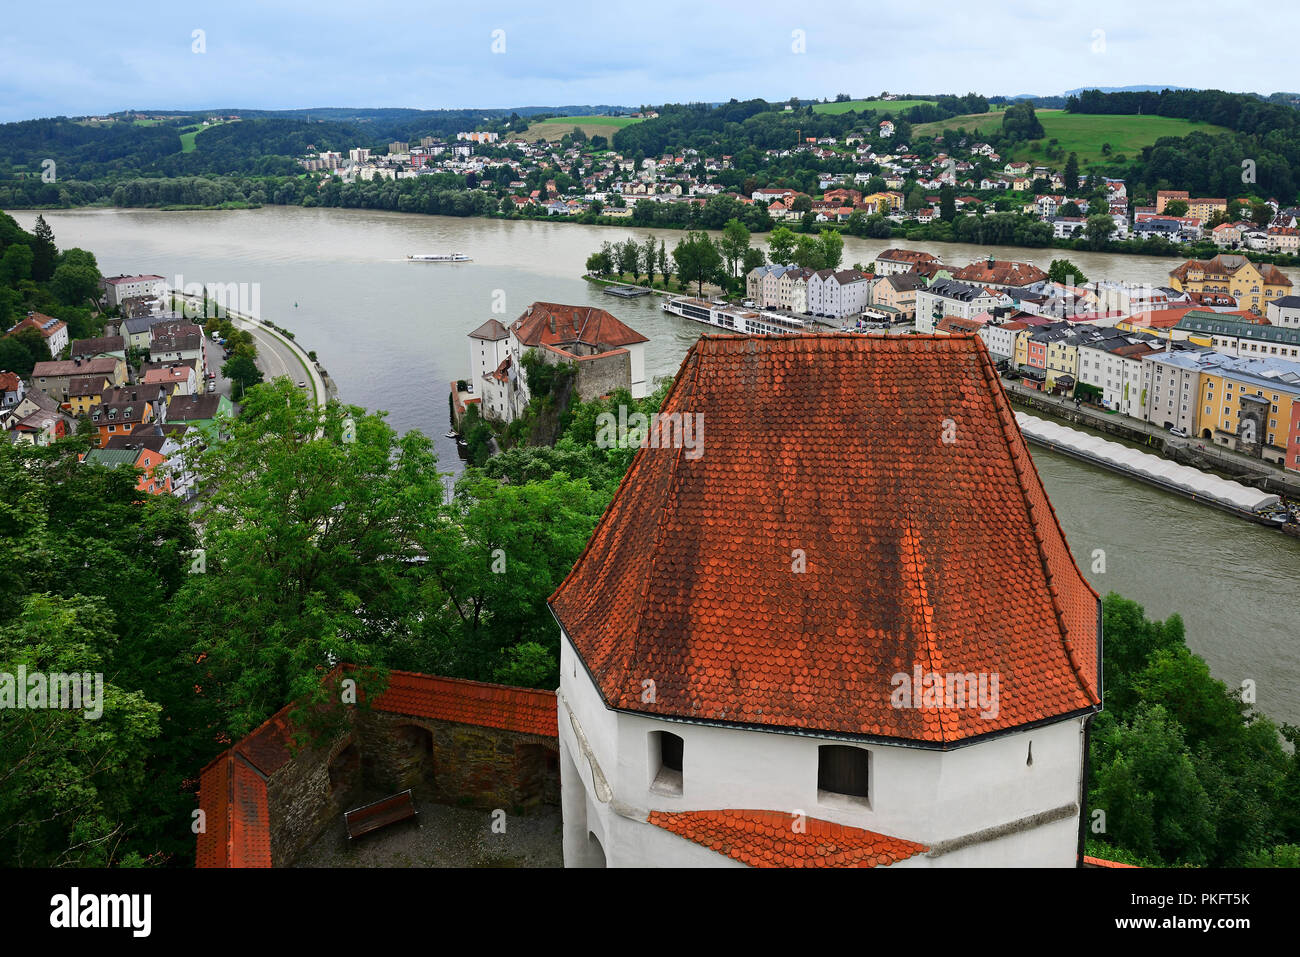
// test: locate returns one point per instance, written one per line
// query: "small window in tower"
(666, 751)
(844, 772)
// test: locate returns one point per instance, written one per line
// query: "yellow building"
(1254, 285)
(1230, 393)
(884, 202)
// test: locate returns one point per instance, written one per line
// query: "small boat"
(438, 258)
(452, 435)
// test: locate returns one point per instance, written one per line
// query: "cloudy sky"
(74, 58)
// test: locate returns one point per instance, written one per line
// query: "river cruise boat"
(439, 258)
(736, 319)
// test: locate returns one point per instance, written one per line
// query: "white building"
(948, 297)
(1115, 367)
(1284, 312)
(118, 288)
(838, 294)
(741, 665)
(608, 355)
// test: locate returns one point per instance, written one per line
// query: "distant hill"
(1141, 88)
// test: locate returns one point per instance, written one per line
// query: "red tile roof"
(769, 839)
(236, 816)
(1102, 862)
(525, 710)
(549, 323)
(918, 552)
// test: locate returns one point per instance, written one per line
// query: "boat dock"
(627, 292)
(1241, 500)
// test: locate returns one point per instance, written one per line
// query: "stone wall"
(303, 796)
(452, 763)
(441, 761)
(602, 374)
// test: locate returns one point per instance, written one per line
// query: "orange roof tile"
(525, 710)
(918, 552)
(1102, 862)
(549, 323)
(236, 817)
(769, 839)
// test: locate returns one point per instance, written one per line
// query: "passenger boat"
(439, 258)
(736, 318)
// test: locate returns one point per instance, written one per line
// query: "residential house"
(1000, 274)
(1233, 335)
(948, 297)
(53, 331)
(85, 392)
(120, 288)
(153, 476)
(838, 294)
(54, 378)
(12, 389)
(897, 291)
(111, 346)
(893, 261)
(201, 413)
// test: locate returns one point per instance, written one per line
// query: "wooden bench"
(381, 813)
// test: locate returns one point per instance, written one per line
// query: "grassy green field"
(1080, 133)
(868, 106)
(557, 126)
(187, 137)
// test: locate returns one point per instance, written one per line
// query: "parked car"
(302, 385)
(1180, 432)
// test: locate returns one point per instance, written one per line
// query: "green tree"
(1097, 230)
(1066, 273)
(832, 242)
(305, 533)
(698, 260)
(243, 372)
(947, 204)
(809, 253)
(780, 245)
(1176, 207)
(1071, 175)
(70, 786)
(44, 252)
(734, 242)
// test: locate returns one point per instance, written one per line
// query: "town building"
(1254, 285)
(607, 355)
(118, 289)
(838, 294)
(1235, 336)
(949, 297)
(53, 331)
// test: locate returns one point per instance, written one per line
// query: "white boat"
(439, 258)
(736, 318)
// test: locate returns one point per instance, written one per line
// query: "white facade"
(828, 295)
(1284, 312)
(1005, 802)
(1118, 377)
(118, 288)
(1000, 341)
(932, 300)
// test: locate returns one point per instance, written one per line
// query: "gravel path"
(445, 837)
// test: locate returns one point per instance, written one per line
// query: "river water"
(393, 336)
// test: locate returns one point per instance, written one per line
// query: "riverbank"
(911, 232)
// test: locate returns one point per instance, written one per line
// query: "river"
(393, 335)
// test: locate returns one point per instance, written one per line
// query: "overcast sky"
(75, 58)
